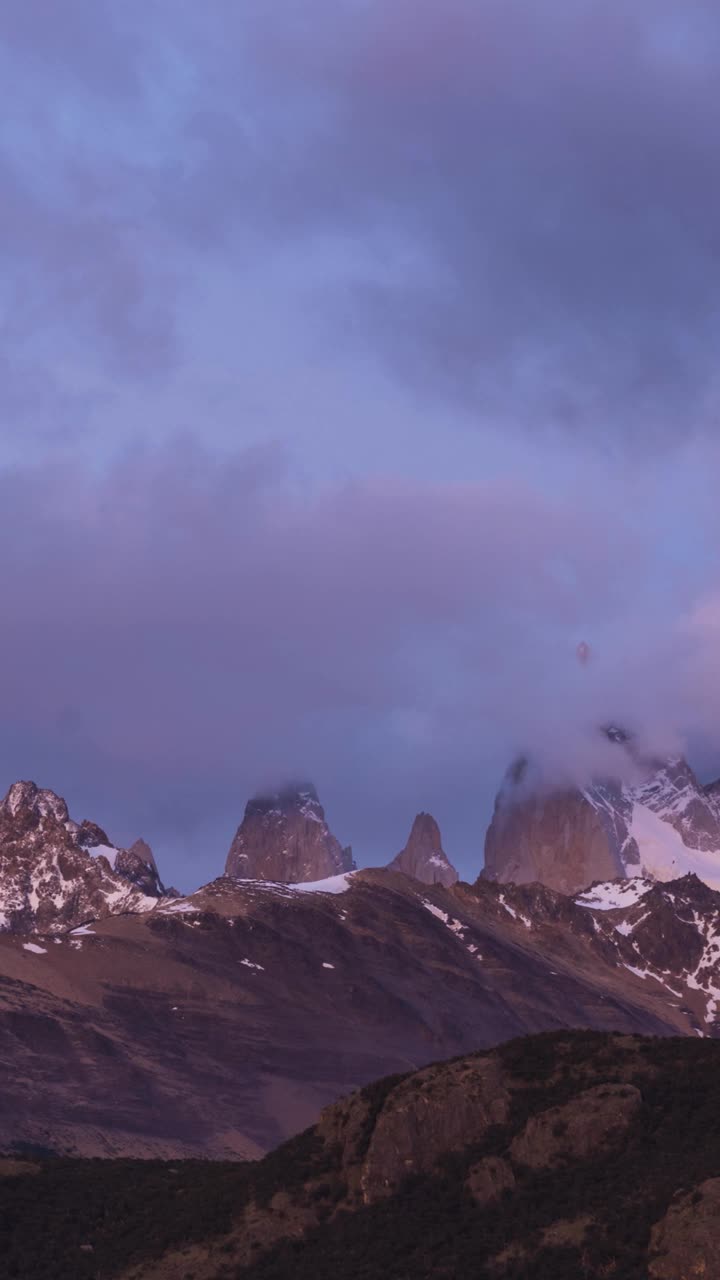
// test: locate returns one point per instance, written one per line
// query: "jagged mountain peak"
(27, 799)
(56, 873)
(284, 837)
(646, 817)
(423, 857)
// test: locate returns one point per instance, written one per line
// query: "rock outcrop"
(284, 837)
(663, 824)
(56, 873)
(686, 1242)
(423, 857)
(594, 1123)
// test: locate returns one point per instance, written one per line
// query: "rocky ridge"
(423, 857)
(284, 837)
(56, 874)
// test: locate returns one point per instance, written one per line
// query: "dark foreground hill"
(553, 1157)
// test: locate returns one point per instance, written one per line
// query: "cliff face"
(423, 857)
(284, 837)
(665, 825)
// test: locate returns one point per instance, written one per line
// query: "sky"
(358, 361)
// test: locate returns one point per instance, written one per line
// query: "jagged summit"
(284, 837)
(663, 823)
(56, 873)
(26, 801)
(423, 857)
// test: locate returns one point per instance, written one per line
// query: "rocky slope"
(537, 1160)
(664, 824)
(56, 873)
(423, 857)
(220, 1023)
(284, 837)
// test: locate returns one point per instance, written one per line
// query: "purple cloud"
(183, 618)
(399, 268)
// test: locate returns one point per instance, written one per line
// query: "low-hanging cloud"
(179, 623)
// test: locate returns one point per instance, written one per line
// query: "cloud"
(183, 623)
(514, 212)
(537, 188)
(442, 251)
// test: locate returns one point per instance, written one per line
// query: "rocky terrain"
(423, 857)
(56, 873)
(661, 823)
(284, 837)
(553, 1157)
(220, 1023)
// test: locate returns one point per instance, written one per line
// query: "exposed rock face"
(595, 1122)
(665, 824)
(686, 1242)
(423, 857)
(557, 838)
(56, 873)
(284, 837)
(489, 1178)
(435, 1114)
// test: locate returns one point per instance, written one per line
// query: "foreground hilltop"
(537, 1160)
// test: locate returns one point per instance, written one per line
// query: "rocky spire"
(284, 837)
(423, 857)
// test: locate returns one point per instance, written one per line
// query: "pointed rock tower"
(284, 837)
(423, 857)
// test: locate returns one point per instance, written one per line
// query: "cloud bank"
(359, 361)
(180, 624)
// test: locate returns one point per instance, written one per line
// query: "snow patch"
(334, 884)
(664, 853)
(614, 894)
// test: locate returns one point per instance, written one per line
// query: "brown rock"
(556, 837)
(488, 1179)
(596, 1121)
(435, 1112)
(685, 1244)
(284, 837)
(423, 857)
